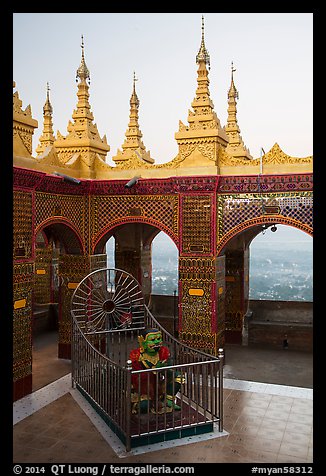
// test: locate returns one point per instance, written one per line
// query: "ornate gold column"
(72, 269)
(22, 329)
(201, 275)
(23, 281)
(201, 291)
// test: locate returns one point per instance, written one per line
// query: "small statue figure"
(153, 391)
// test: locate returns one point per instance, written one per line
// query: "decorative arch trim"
(125, 221)
(60, 221)
(263, 219)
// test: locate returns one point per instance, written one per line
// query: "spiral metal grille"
(108, 299)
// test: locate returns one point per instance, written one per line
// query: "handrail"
(143, 371)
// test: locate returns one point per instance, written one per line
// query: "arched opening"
(151, 257)
(259, 331)
(281, 265)
(52, 241)
(237, 273)
(110, 252)
(164, 265)
(280, 307)
(165, 276)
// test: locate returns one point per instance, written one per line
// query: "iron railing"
(102, 372)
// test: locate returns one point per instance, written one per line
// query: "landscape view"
(281, 265)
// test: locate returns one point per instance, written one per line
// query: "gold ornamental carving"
(205, 147)
(277, 156)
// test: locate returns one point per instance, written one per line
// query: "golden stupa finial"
(47, 138)
(203, 54)
(135, 79)
(233, 90)
(134, 98)
(47, 108)
(236, 147)
(83, 71)
(133, 148)
(233, 69)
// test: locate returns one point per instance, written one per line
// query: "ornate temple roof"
(204, 146)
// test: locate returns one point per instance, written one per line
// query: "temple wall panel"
(197, 224)
(237, 208)
(110, 211)
(23, 282)
(50, 208)
(43, 263)
(72, 269)
(23, 224)
(201, 291)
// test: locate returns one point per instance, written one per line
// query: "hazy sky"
(272, 54)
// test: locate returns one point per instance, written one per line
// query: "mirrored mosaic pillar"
(201, 275)
(23, 283)
(72, 269)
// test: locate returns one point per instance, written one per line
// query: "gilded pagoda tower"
(201, 141)
(47, 138)
(235, 147)
(82, 147)
(133, 152)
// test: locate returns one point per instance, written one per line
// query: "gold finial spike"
(232, 70)
(134, 81)
(203, 54)
(82, 71)
(82, 47)
(233, 90)
(47, 109)
(134, 98)
(202, 28)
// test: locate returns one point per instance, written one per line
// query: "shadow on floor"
(254, 363)
(276, 366)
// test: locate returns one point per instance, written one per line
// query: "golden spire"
(133, 147)
(134, 101)
(235, 147)
(204, 126)
(203, 54)
(47, 137)
(83, 140)
(83, 72)
(233, 90)
(47, 109)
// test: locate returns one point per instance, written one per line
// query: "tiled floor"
(263, 423)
